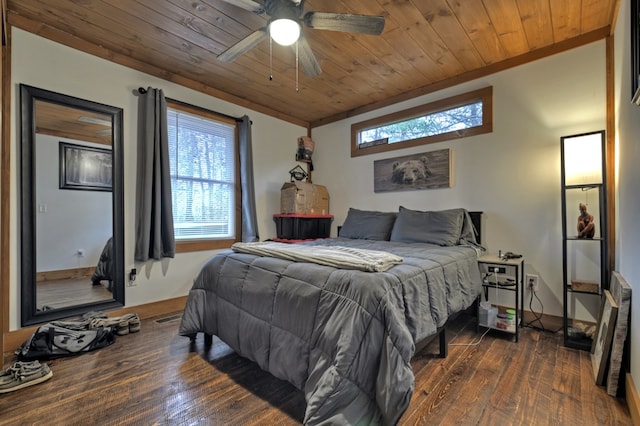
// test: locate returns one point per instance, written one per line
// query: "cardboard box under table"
(304, 198)
(299, 227)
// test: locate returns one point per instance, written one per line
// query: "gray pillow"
(434, 227)
(368, 225)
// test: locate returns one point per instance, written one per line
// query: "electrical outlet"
(532, 282)
(132, 277)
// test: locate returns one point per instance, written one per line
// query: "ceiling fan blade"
(307, 59)
(249, 5)
(243, 46)
(345, 22)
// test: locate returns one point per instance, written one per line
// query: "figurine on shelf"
(586, 225)
(305, 149)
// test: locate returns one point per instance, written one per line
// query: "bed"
(104, 267)
(344, 334)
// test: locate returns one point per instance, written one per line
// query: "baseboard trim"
(65, 274)
(550, 322)
(633, 401)
(13, 339)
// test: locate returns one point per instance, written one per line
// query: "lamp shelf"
(584, 186)
(584, 196)
(569, 289)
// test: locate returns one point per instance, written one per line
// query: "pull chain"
(270, 59)
(587, 200)
(297, 90)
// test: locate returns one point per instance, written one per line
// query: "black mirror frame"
(29, 315)
(635, 53)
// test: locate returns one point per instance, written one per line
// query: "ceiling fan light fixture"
(284, 31)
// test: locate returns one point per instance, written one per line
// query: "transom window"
(456, 117)
(203, 162)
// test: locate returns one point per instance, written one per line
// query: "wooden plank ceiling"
(426, 45)
(72, 123)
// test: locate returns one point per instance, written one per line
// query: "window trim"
(184, 246)
(485, 95)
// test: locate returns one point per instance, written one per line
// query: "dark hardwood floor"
(70, 291)
(156, 377)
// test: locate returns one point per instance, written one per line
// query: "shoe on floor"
(7, 375)
(20, 375)
(134, 324)
(129, 323)
(122, 328)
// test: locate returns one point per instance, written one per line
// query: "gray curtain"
(154, 217)
(249, 221)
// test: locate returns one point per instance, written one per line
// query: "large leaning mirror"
(72, 244)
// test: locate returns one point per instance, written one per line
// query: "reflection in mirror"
(68, 252)
(72, 244)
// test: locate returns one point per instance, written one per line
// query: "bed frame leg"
(208, 339)
(444, 347)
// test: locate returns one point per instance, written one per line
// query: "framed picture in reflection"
(85, 167)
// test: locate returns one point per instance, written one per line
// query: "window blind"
(202, 162)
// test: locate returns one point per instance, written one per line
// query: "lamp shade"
(285, 32)
(583, 159)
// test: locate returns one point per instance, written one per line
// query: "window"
(456, 117)
(203, 160)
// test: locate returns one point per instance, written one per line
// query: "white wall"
(41, 63)
(628, 181)
(511, 174)
(67, 220)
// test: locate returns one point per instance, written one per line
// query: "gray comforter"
(344, 337)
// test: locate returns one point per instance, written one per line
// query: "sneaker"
(134, 324)
(7, 375)
(130, 323)
(122, 328)
(20, 376)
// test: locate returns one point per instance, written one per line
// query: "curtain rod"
(142, 91)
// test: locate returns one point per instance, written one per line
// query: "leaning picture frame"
(621, 293)
(604, 333)
(84, 167)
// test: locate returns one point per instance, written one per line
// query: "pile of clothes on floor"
(91, 331)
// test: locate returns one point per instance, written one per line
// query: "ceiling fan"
(285, 23)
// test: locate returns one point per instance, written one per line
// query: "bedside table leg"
(444, 348)
(478, 314)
